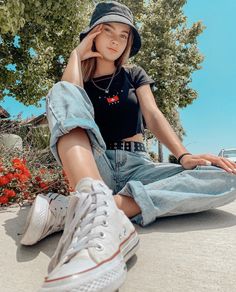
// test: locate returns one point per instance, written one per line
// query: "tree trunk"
(160, 152)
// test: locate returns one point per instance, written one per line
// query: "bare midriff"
(136, 138)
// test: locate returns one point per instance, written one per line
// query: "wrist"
(181, 156)
(78, 54)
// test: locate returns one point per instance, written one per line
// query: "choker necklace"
(105, 89)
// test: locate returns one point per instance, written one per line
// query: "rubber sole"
(109, 280)
(103, 281)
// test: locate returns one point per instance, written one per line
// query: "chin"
(110, 58)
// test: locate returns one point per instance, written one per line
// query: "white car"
(229, 153)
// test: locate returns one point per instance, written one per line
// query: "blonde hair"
(88, 66)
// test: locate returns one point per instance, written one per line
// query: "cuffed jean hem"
(158, 199)
(135, 190)
(69, 107)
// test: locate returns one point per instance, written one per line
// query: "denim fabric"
(160, 189)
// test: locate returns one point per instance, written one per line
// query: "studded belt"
(126, 145)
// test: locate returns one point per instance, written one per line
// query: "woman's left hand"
(191, 161)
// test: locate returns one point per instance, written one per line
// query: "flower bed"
(24, 174)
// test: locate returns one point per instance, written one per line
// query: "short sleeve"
(140, 77)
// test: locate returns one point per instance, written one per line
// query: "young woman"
(95, 117)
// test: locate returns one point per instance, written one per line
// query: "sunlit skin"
(110, 43)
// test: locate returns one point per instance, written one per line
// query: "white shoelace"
(80, 221)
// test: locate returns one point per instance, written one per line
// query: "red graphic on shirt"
(113, 99)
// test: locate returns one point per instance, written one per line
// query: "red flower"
(4, 180)
(16, 175)
(16, 160)
(42, 170)
(26, 195)
(43, 186)
(10, 176)
(38, 178)
(4, 200)
(23, 177)
(27, 172)
(9, 193)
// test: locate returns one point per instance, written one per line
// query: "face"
(112, 41)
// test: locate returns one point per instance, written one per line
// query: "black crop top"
(118, 114)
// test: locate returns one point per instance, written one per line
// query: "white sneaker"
(98, 238)
(46, 216)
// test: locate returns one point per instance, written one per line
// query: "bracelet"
(181, 156)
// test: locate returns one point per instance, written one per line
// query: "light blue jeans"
(160, 189)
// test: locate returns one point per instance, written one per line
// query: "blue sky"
(210, 121)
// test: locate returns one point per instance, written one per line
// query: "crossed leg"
(78, 162)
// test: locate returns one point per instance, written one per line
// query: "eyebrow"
(110, 25)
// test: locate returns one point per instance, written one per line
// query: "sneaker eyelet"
(99, 247)
(120, 236)
(106, 213)
(124, 231)
(102, 235)
(105, 223)
(105, 203)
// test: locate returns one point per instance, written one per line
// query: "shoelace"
(83, 209)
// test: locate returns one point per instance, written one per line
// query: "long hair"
(88, 66)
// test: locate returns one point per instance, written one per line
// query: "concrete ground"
(189, 253)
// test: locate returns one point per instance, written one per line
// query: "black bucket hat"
(114, 12)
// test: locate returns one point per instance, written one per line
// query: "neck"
(104, 67)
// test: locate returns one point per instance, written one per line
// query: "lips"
(113, 50)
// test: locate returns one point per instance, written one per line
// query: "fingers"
(226, 164)
(97, 55)
(219, 162)
(95, 31)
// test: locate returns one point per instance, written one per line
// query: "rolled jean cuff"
(92, 130)
(136, 190)
(68, 106)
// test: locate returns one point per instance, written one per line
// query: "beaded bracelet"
(181, 156)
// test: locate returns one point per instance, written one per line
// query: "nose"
(114, 42)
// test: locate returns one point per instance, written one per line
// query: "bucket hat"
(114, 12)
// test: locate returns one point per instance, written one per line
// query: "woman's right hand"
(84, 49)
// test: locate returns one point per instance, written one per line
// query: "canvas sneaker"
(97, 240)
(46, 216)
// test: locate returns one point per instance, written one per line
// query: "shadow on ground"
(212, 219)
(15, 227)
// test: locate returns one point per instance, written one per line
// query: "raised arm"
(73, 72)
(83, 51)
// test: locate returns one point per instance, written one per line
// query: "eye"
(124, 37)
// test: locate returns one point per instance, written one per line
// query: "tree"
(51, 29)
(170, 55)
(11, 16)
(169, 52)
